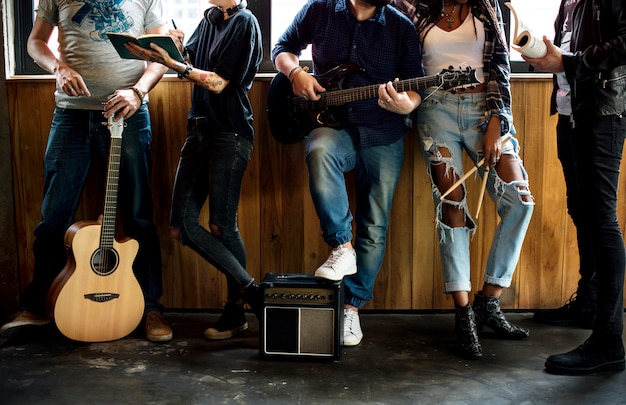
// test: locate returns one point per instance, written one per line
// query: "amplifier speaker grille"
(302, 317)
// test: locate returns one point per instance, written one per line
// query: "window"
(274, 16)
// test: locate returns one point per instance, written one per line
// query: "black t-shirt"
(233, 50)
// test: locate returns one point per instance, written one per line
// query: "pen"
(174, 24)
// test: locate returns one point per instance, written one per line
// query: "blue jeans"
(212, 165)
(77, 139)
(331, 153)
(453, 122)
(597, 146)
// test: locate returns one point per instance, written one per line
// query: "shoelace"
(571, 300)
(350, 319)
(335, 257)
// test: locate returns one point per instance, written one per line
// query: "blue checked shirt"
(385, 47)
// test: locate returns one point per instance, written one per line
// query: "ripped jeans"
(453, 122)
(211, 167)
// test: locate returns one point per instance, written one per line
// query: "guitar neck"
(107, 234)
(339, 97)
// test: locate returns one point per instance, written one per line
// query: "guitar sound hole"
(104, 261)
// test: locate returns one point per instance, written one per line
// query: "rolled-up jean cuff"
(354, 301)
(500, 282)
(453, 286)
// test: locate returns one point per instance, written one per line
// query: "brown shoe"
(157, 329)
(22, 320)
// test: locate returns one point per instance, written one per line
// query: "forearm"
(285, 62)
(43, 56)
(207, 79)
(151, 76)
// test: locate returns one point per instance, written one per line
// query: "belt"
(480, 88)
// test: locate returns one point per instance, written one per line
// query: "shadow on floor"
(403, 359)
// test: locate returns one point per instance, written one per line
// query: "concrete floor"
(403, 359)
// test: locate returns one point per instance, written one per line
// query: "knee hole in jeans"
(175, 233)
(215, 230)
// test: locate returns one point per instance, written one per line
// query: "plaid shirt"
(495, 56)
(385, 47)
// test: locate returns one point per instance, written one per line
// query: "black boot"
(578, 310)
(488, 313)
(252, 296)
(604, 353)
(466, 334)
(232, 321)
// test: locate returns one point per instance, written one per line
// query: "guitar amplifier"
(302, 317)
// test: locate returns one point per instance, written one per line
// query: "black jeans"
(597, 144)
(211, 167)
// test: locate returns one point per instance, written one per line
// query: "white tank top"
(459, 48)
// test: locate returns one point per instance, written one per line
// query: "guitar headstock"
(115, 127)
(450, 78)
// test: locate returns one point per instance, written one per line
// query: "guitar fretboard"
(107, 233)
(340, 97)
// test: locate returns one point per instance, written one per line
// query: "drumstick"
(469, 173)
(462, 179)
(482, 192)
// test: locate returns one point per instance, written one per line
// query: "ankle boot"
(488, 313)
(466, 334)
(252, 296)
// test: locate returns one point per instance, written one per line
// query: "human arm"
(207, 79)
(303, 84)
(498, 114)
(125, 102)
(599, 47)
(70, 81)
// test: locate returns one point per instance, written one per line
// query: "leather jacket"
(596, 64)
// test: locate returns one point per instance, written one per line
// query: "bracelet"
(139, 93)
(291, 72)
(186, 72)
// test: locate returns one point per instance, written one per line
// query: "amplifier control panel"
(300, 296)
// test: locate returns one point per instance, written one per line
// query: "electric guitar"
(291, 118)
(96, 297)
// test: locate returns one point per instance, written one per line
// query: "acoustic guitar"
(291, 118)
(96, 297)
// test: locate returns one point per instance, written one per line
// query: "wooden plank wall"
(277, 219)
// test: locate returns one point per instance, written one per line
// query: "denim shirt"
(384, 47)
(495, 56)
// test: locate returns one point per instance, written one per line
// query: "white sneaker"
(340, 263)
(352, 333)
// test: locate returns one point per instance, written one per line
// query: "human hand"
(492, 143)
(153, 54)
(552, 62)
(122, 104)
(306, 86)
(70, 81)
(392, 100)
(179, 39)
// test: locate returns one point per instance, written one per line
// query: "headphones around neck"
(215, 15)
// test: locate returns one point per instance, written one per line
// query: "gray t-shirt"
(84, 46)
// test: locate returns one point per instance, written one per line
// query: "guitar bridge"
(101, 297)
